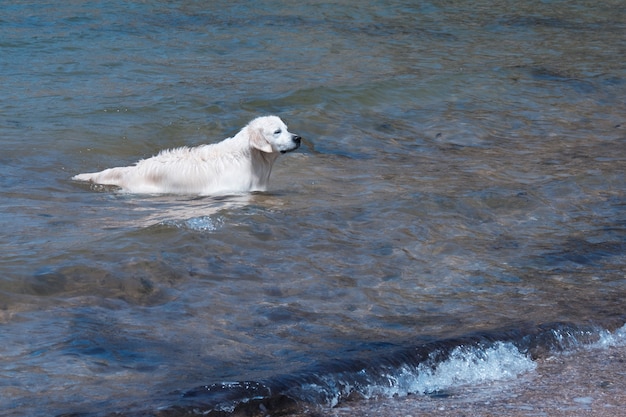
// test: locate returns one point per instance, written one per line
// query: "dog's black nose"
(296, 139)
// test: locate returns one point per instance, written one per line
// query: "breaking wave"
(428, 368)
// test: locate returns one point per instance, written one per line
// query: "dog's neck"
(262, 163)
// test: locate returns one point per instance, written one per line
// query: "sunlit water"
(459, 200)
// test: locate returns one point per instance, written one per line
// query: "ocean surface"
(450, 238)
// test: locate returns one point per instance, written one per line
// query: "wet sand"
(586, 383)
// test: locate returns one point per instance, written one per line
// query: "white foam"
(200, 224)
(614, 339)
(465, 365)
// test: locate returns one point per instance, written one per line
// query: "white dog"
(239, 164)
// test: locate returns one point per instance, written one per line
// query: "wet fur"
(242, 163)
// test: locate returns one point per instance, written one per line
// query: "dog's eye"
(277, 132)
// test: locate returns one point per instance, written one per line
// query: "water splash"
(198, 224)
(466, 365)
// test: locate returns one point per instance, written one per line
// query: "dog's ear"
(258, 141)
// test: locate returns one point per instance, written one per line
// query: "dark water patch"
(543, 21)
(403, 28)
(102, 341)
(46, 283)
(554, 76)
(580, 252)
(238, 16)
(138, 282)
(573, 22)
(579, 85)
(612, 80)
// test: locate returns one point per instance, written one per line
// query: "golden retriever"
(239, 164)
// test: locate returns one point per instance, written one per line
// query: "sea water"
(449, 236)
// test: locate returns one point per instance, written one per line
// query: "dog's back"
(206, 169)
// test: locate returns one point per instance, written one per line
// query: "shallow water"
(461, 183)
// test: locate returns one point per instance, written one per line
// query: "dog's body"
(242, 163)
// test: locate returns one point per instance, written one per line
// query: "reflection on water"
(461, 172)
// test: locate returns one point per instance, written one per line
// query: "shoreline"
(587, 382)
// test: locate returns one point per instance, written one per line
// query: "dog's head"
(269, 134)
